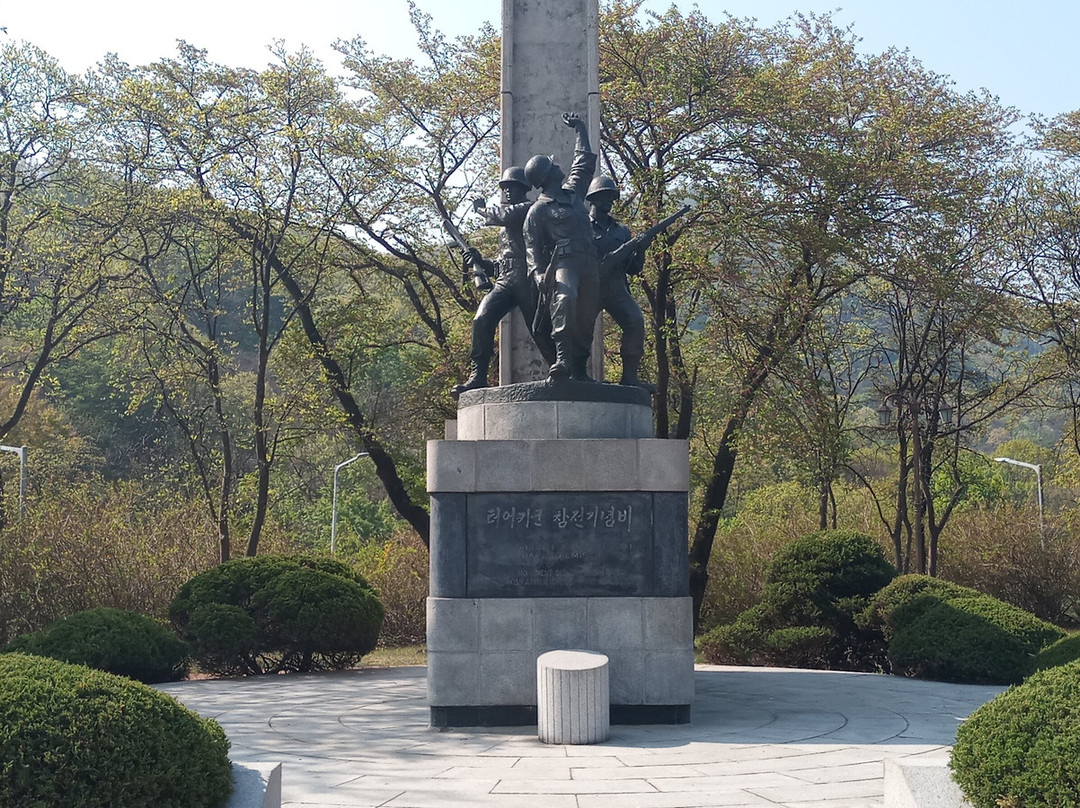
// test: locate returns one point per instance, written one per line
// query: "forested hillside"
(217, 284)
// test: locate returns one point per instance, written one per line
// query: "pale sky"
(1023, 51)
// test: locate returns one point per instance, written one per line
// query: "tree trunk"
(416, 515)
(709, 517)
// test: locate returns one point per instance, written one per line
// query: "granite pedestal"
(557, 522)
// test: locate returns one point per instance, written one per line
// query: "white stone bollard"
(572, 702)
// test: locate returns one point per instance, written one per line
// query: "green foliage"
(70, 735)
(943, 631)
(814, 588)
(741, 642)
(1023, 747)
(398, 569)
(308, 612)
(801, 646)
(113, 640)
(223, 638)
(273, 613)
(768, 518)
(1003, 552)
(824, 578)
(900, 593)
(124, 545)
(1062, 652)
(945, 642)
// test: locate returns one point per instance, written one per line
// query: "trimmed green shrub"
(1022, 749)
(275, 613)
(223, 638)
(813, 589)
(939, 630)
(904, 591)
(804, 646)
(823, 578)
(947, 643)
(309, 612)
(739, 643)
(1062, 652)
(113, 640)
(71, 735)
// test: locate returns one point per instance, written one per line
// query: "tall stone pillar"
(550, 65)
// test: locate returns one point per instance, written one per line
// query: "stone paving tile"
(810, 792)
(633, 772)
(711, 799)
(759, 782)
(431, 799)
(574, 787)
(507, 773)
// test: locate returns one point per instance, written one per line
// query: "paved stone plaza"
(758, 737)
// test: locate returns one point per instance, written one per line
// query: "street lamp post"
(21, 452)
(333, 516)
(1038, 480)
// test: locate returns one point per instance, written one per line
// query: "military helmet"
(538, 168)
(514, 175)
(602, 184)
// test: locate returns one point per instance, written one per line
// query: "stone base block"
(572, 702)
(482, 652)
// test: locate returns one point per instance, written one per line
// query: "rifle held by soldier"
(470, 256)
(640, 242)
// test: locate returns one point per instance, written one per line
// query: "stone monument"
(557, 521)
(550, 64)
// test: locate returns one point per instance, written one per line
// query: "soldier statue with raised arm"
(561, 256)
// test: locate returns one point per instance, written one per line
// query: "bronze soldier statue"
(512, 285)
(615, 298)
(561, 256)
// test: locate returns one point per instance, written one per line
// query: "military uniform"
(513, 287)
(559, 246)
(615, 297)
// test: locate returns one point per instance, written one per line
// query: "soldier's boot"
(561, 369)
(477, 379)
(580, 367)
(630, 374)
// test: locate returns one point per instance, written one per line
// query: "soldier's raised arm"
(581, 172)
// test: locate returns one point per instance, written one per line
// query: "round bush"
(1023, 747)
(314, 614)
(948, 643)
(274, 613)
(739, 643)
(113, 640)
(804, 646)
(236, 582)
(814, 588)
(71, 735)
(822, 578)
(904, 591)
(939, 630)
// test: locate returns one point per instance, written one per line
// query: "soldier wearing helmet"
(561, 257)
(615, 298)
(512, 286)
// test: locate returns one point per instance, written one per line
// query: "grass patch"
(395, 657)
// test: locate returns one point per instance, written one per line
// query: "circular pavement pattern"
(758, 737)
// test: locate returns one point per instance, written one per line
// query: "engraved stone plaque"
(559, 544)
